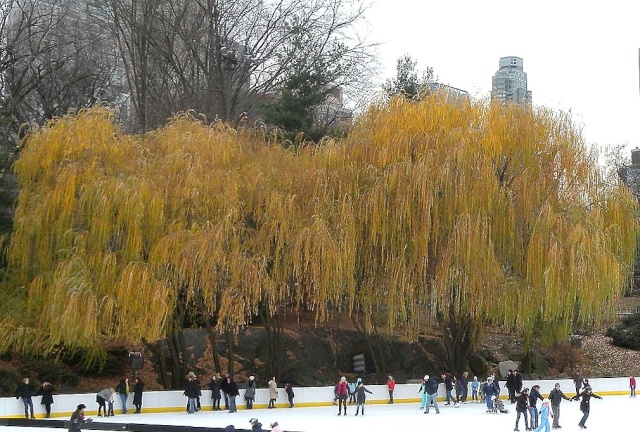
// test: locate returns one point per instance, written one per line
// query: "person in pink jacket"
(342, 391)
(632, 386)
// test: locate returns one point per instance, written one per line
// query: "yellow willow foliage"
(497, 214)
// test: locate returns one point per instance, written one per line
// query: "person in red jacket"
(391, 384)
(632, 386)
(342, 391)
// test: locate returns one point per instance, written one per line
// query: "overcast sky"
(579, 55)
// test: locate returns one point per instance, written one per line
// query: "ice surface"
(611, 414)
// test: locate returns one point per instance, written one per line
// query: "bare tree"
(55, 59)
(222, 58)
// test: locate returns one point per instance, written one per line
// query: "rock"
(504, 367)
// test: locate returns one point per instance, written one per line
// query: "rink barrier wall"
(175, 401)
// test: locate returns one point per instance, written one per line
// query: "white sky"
(579, 55)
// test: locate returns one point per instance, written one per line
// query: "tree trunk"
(214, 352)
(367, 338)
(460, 335)
(230, 354)
(158, 350)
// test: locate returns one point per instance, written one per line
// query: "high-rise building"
(509, 84)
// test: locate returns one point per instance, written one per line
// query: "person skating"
(522, 408)
(510, 384)
(123, 390)
(102, 398)
(77, 419)
(288, 388)
(352, 392)
(192, 392)
(448, 386)
(47, 397)
(555, 396)
(214, 385)
(232, 393)
(578, 381)
(361, 397)
(138, 389)
(585, 404)
(431, 387)
(544, 416)
(273, 392)
(475, 387)
(250, 392)
(24, 393)
(275, 427)
(632, 386)
(423, 391)
(256, 426)
(342, 390)
(490, 389)
(534, 395)
(391, 385)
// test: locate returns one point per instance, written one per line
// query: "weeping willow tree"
(429, 216)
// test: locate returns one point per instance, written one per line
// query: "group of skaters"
(106, 397)
(537, 418)
(225, 389)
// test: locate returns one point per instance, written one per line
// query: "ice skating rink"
(611, 414)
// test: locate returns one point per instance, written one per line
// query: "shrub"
(627, 333)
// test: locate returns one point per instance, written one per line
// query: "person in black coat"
(232, 393)
(138, 388)
(24, 393)
(288, 388)
(534, 395)
(214, 385)
(225, 391)
(192, 392)
(511, 386)
(47, 397)
(555, 397)
(585, 404)
(522, 406)
(518, 381)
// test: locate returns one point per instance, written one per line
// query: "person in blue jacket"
(534, 395)
(491, 388)
(431, 387)
(544, 416)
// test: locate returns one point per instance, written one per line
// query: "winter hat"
(359, 380)
(274, 424)
(251, 378)
(253, 421)
(81, 406)
(546, 401)
(525, 390)
(493, 398)
(490, 378)
(426, 377)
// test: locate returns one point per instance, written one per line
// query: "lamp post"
(235, 63)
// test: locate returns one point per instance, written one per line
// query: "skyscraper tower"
(509, 84)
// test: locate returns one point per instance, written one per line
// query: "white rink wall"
(175, 401)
